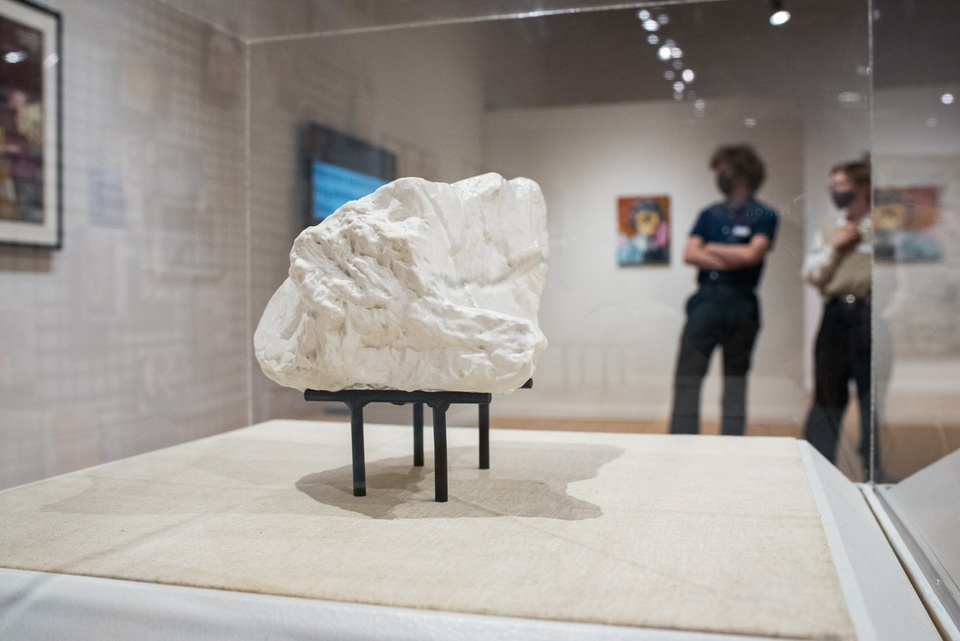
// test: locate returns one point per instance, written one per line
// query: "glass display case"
(184, 187)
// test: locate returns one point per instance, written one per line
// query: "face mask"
(724, 184)
(842, 199)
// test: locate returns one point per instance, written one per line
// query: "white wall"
(614, 331)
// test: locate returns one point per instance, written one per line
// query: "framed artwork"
(643, 230)
(907, 223)
(30, 128)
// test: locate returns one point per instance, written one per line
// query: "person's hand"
(847, 237)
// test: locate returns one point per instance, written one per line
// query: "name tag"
(741, 231)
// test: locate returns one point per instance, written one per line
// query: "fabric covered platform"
(710, 534)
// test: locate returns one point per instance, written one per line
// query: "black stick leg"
(484, 436)
(356, 437)
(418, 434)
(440, 450)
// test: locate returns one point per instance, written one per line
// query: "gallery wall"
(613, 330)
(132, 336)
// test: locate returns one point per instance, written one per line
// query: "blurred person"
(728, 245)
(839, 266)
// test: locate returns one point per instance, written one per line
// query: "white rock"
(419, 286)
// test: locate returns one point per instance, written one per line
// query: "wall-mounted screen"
(341, 168)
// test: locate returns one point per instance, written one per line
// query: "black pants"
(723, 316)
(841, 354)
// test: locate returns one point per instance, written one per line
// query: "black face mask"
(724, 184)
(842, 199)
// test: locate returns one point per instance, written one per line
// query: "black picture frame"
(31, 90)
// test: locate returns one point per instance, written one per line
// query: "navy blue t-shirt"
(737, 226)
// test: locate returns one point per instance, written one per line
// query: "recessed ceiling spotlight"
(932, 122)
(663, 52)
(947, 98)
(848, 97)
(749, 123)
(678, 95)
(778, 15)
(663, 19)
(643, 14)
(678, 86)
(700, 104)
(668, 74)
(688, 75)
(13, 57)
(676, 53)
(653, 38)
(651, 25)
(678, 65)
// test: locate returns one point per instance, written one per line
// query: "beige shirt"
(839, 274)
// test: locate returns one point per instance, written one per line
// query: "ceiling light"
(653, 38)
(651, 25)
(749, 122)
(668, 74)
(663, 52)
(676, 53)
(849, 97)
(931, 122)
(643, 14)
(699, 105)
(688, 75)
(14, 57)
(678, 86)
(663, 19)
(947, 98)
(678, 65)
(778, 15)
(678, 95)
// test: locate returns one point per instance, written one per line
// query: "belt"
(727, 287)
(849, 300)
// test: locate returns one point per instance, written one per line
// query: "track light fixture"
(778, 15)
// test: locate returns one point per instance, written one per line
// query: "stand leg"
(356, 437)
(418, 434)
(484, 436)
(440, 450)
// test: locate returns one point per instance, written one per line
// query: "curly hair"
(744, 162)
(858, 171)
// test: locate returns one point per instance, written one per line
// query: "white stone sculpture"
(418, 286)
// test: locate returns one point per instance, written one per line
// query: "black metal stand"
(438, 401)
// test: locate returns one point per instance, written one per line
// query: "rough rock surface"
(419, 286)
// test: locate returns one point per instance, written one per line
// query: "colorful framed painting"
(643, 230)
(907, 224)
(30, 125)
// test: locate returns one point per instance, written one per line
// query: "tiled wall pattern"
(133, 336)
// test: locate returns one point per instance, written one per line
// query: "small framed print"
(643, 230)
(31, 208)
